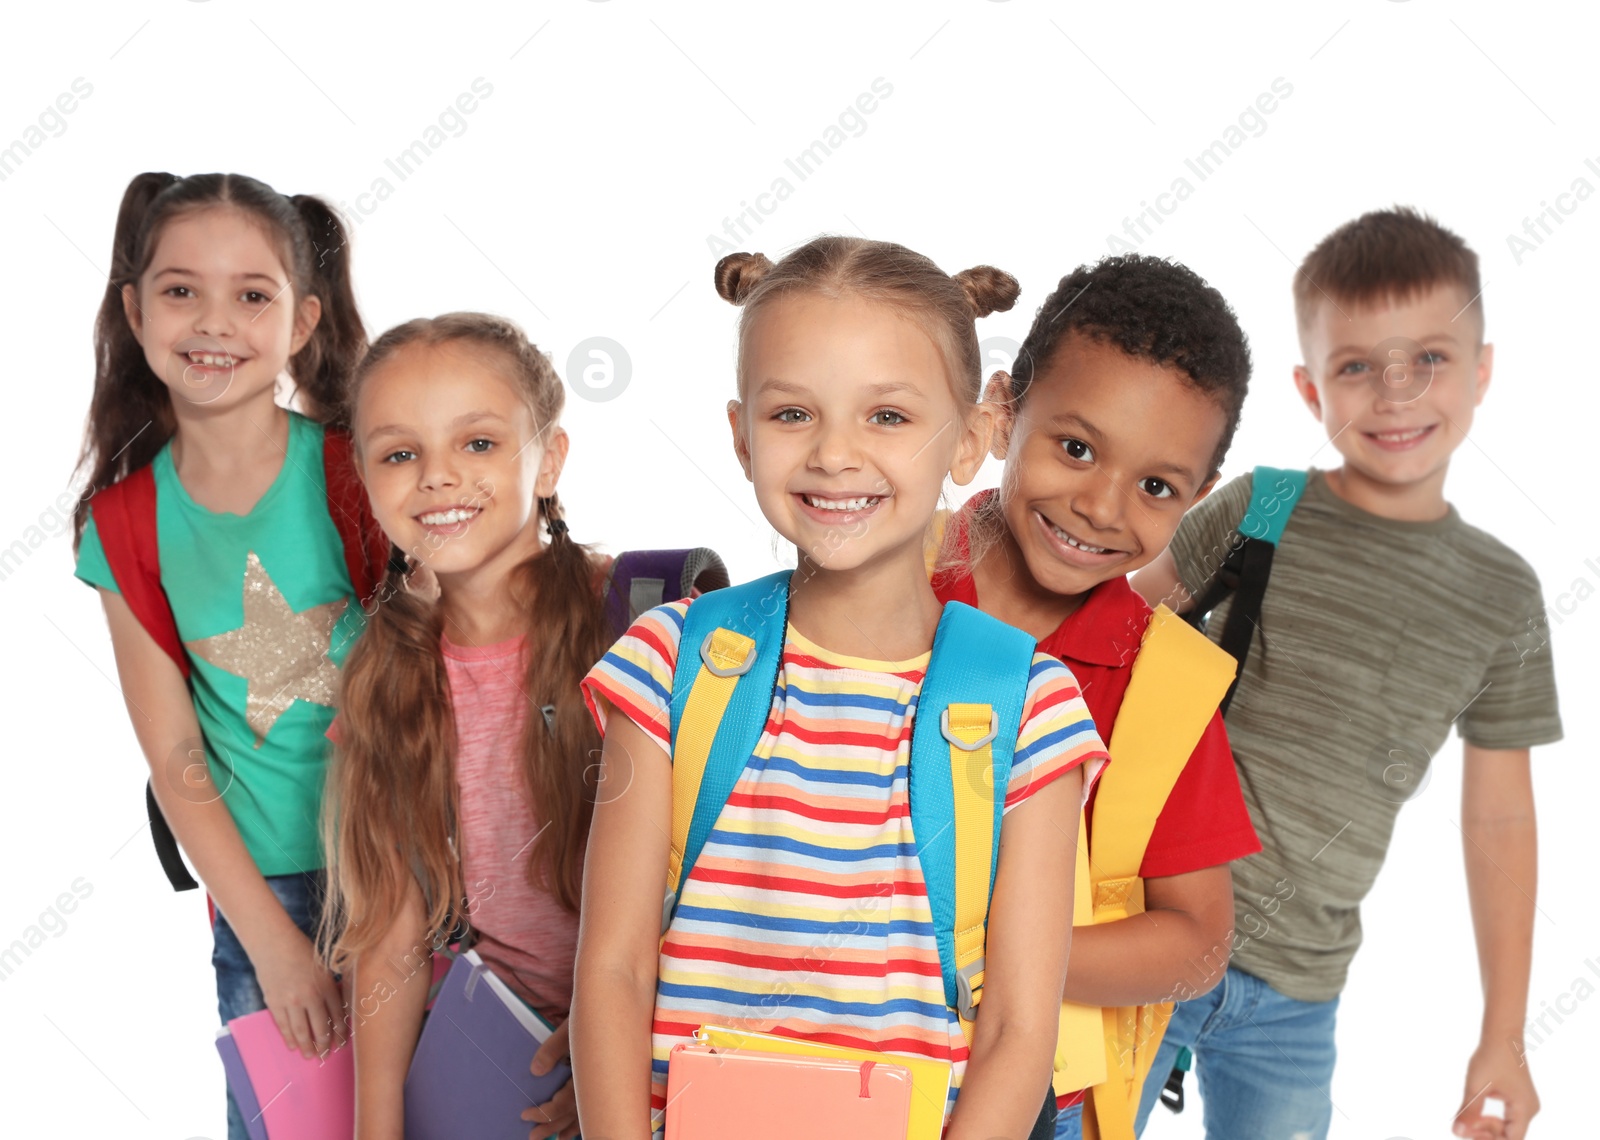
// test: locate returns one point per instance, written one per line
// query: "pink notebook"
(298, 1099)
(722, 1094)
(304, 1099)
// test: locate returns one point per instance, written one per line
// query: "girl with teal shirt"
(219, 286)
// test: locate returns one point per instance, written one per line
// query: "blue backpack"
(963, 736)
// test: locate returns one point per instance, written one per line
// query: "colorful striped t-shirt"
(807, 914)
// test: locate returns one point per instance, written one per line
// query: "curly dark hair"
(1151, 308)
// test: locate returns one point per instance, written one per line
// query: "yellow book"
(930, 1080)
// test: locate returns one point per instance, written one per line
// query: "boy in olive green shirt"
(1386, 620)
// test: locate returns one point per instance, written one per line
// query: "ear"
(997, 397)
(741, 441)
(131, 310)
(1485, 371)
(551, 463)
(307, 314)
(973, 444)
(1307, 387)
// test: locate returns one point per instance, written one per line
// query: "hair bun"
(988, 290)
(738, 274)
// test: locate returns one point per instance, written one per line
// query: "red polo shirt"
(1205, 821)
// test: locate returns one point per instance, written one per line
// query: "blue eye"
(888, 417)
(476, 449)
(1078, 450)
(783, 416)
(400, 456)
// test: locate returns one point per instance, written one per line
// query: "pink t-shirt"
(523, 933)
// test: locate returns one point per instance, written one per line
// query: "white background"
(579, 200)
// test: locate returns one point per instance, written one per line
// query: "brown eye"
(1078, 450)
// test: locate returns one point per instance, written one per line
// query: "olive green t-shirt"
(1376, 636)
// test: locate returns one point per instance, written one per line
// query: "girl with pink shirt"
(457, 797)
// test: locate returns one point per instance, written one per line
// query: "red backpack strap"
(366, 547)
(125, 520)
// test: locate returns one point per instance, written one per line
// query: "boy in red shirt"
(1112, 423)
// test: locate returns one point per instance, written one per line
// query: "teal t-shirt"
(261, 602)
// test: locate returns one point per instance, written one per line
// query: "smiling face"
(452, 459)
(1395, 384)
(1104, 456)
(216, 312)
(848, 428)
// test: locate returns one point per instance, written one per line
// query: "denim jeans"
(1069, 1123)
(238, 993)
(1264, 1062)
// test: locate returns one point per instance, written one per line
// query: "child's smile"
(839, 508)
(1071, 548)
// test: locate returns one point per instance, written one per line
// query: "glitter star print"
(281, 654)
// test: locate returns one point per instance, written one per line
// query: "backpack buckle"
(716, 653)
(965, 1006)
(957, 742)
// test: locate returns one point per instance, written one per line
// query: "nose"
(1100, 502)
(835, 448)
(437, 471)
(215, 317)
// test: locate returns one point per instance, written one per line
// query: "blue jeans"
(238, 993)
(1069, 1123)
(1264, 1062)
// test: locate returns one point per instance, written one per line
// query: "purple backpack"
(643, 579)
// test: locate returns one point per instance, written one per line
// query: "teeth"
(841, 504)
(212, 359)
(1399, 436)
(445, 518)
(1072, 542)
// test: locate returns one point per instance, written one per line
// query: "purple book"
(469, 1075)
(244, 1093)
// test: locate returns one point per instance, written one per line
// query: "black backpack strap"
(167, 845)
(1223, 584)
(1248, 566)
(1244, 616)
(1172, 1091)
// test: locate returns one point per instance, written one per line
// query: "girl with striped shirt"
(806, 914)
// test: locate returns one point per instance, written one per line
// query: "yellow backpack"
(1178, 680)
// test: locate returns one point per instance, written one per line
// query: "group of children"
(389, 568)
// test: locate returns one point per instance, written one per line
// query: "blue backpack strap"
(758, 610)
(976, 659)
(1273, 493)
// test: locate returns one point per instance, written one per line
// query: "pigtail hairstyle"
(945, 306)
(324, 364)
(884, 273)
(130, 414)
(391, 802)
